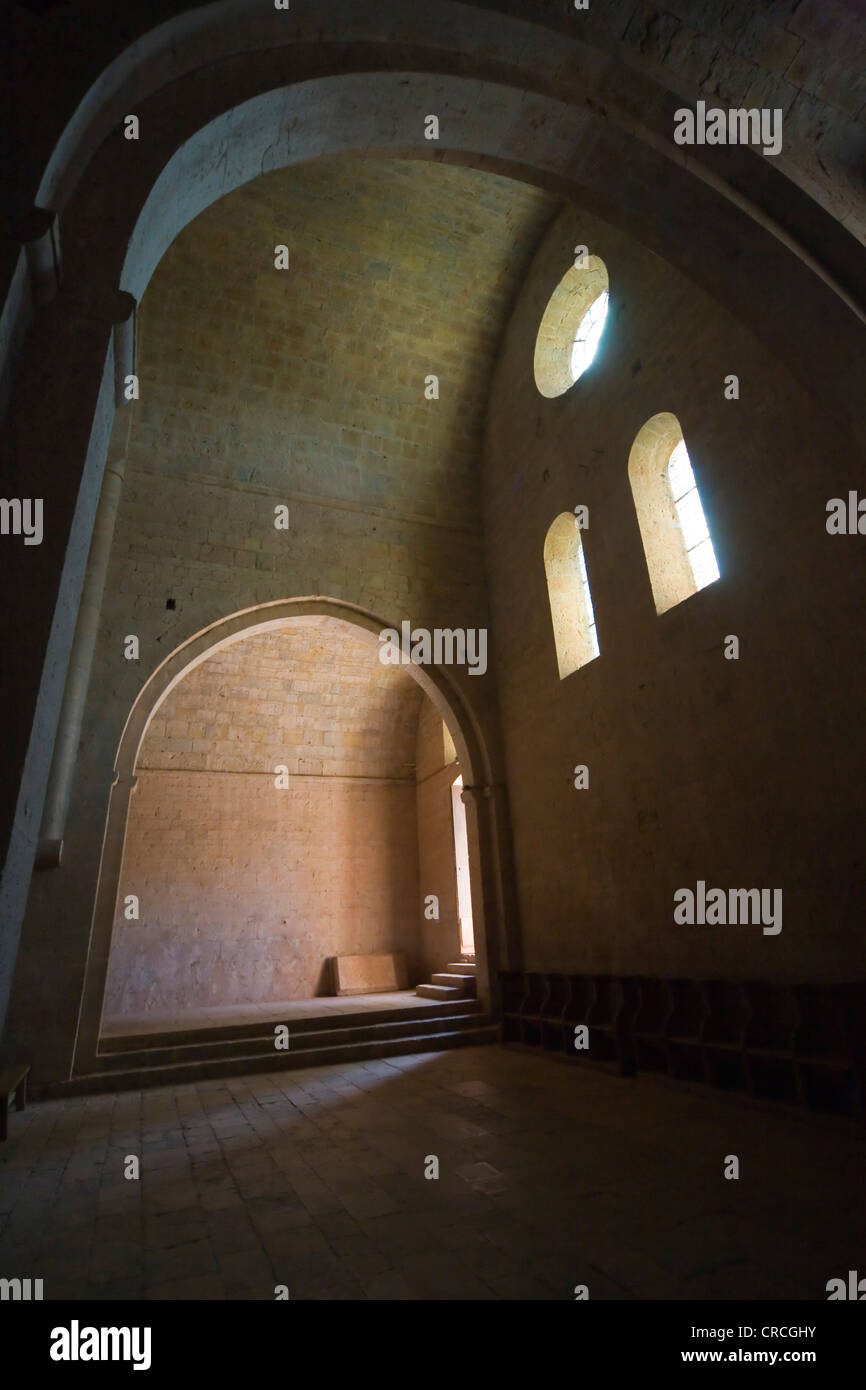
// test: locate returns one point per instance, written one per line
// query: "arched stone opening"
(193, 655)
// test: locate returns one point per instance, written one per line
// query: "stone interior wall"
(305, 388)
(302, 388)
(735, 772)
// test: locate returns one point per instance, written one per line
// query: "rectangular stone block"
(373, 974)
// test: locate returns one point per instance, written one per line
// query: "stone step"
(156, 1051)
(461, 967)
(440, 992)
(341, 1025)
(470, 1031)
(461, 982)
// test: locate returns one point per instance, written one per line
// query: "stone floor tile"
(549, 1176)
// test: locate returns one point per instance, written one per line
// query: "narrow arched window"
(571, 327)
(693, 524)
(676, 538)
(588, 335)
(571, 609)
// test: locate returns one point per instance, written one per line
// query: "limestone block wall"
(246, 890)
(735, 772)
(305, 389)
(272, 825)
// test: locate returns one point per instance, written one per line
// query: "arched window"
(571, 609)
(676, 539)
(571, 327)
(588, 335)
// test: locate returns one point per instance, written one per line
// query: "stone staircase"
(456, 981)
(153, 1059)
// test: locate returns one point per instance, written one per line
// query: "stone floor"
(550, 1176)
(232, 1015)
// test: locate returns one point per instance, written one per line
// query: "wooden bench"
(581, 992)
(649, 1027)
(723, 1034)
(609, 1021)
(552, 1028)
(785, 1043)
(532, 1008)
(771, 1033)
(683, 1031)
(13, 1078)
(512, 984)
(830, 1048)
